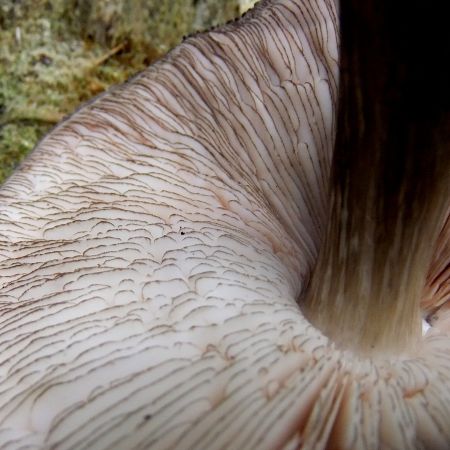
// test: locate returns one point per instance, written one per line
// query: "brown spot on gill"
(222, 200)
(409, 393)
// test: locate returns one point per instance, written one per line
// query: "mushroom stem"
(390, 185)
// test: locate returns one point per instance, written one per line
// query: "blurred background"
(56, 54)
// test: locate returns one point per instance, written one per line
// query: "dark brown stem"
(390, 177)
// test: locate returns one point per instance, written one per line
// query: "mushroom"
(155, 254)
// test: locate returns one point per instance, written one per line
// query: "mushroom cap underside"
(153, 249)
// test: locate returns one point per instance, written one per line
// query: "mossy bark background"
(56, 54)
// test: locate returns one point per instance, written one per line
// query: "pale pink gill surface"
(153, 249)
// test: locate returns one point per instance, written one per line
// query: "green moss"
(56, 54)
(17, 141)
